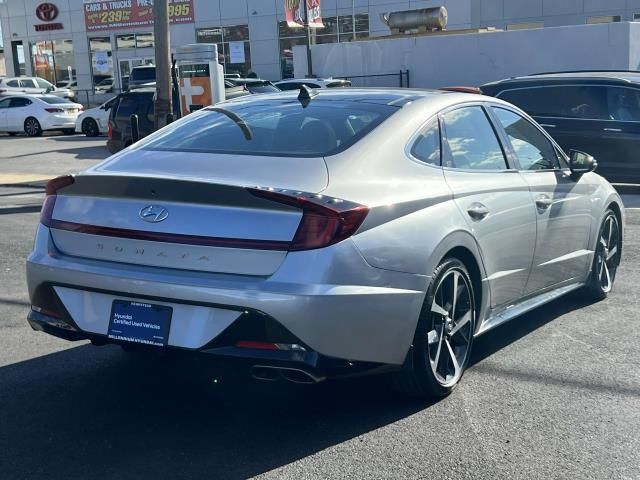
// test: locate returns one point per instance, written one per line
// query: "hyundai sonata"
(316, 234)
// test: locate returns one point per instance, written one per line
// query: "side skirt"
(509, 313)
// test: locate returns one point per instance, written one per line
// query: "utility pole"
(163, 64)
(306, 26)
(353, 19)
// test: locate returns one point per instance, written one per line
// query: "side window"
(43, 83)
(28, 83)
(623, 104)
(127, 107)
(573, 101)
(20, 102)
(427, 147)
(471, 141)
(533, 149)
(5, 103)
(13, 83)
(290, 86)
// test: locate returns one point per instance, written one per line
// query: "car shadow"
(99, 412)
(79, 153)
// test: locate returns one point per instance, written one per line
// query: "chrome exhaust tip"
(293, 375)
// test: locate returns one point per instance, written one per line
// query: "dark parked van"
(139, 102)
(596, 112)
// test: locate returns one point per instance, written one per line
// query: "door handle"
(615, 130)
(547, 125)
(543, 202)
(477, 211)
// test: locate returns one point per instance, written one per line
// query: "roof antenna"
(306, 95)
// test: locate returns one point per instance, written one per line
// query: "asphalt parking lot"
(554, 395)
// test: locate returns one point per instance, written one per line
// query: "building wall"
(501, 13)
(474, 59)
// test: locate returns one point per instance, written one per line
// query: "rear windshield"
(340, 84)
(262, 88)
(143, 74)
(54, 100)
(273, 128)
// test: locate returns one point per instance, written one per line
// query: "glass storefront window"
(209, 35)
(101, 64)
(126, 41)
(135, 40)
(144, 40)
(54, 61)
(234, 50)
(336, 29)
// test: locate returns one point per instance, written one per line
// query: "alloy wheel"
(32, 127)
(90, 128)
(607, 252)
(449, 340)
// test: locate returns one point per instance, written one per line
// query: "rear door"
(28, 85)
(562, 204)
(493, 198)
(619, 155)
(578, 117)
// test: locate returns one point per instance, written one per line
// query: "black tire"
(606, 257)
(419, 377)
(90, 127)
(32, 127)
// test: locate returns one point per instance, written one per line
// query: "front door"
(4, 106)
(562, 204)
(494, 200)
(17, 113)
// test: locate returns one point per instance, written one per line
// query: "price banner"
(103, 15)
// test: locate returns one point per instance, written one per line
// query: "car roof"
(381, 96)
(609, 76)
(318, 80)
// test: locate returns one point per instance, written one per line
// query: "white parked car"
(94, 121)
(32, 85)
(33, 114)
(295, 83)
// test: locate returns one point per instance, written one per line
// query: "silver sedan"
(315, 234)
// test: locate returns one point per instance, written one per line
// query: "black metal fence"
(399, 79)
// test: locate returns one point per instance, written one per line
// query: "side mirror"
(581, 163)
(49, 90)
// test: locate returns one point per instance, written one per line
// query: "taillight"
(110, 130)
(51, 189)
(325, 220)
(54, 110)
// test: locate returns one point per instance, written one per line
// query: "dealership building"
(93, 41)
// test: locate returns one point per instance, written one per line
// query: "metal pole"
(353, 19)
(306, 26)
(163, 79)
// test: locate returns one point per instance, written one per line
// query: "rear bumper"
(331, 300)
(55, 122)
(316, 366)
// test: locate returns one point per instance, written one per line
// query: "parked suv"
(596, 112)
(143, 76)
(33, 86)
(139, 102)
